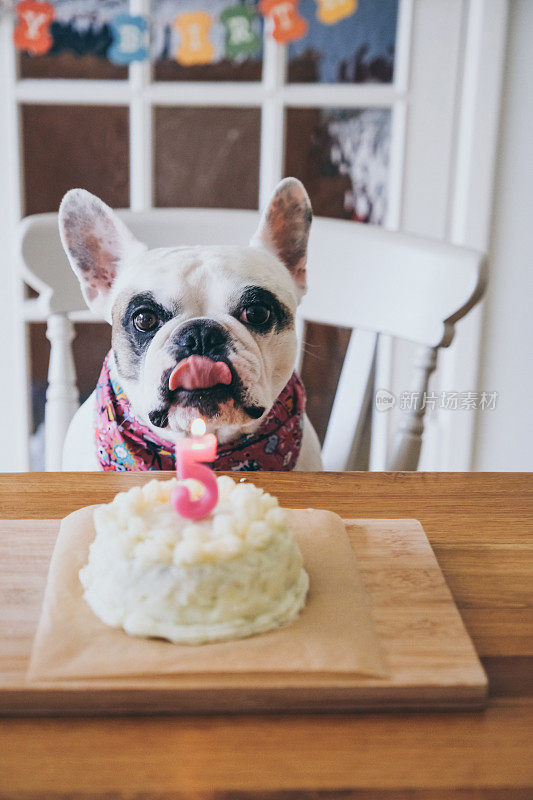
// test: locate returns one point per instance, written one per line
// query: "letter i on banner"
(330, 12)
(285, 22)
(195, 46)
(33, 27)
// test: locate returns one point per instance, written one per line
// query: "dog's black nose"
(203, 337)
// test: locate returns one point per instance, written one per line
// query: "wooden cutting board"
(430, 656)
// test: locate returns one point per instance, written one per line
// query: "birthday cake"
(234, 573)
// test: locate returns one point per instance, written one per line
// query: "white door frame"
(472, 202)
(457, 62)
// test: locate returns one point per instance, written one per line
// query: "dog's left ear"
(97, 244)
(284, 228)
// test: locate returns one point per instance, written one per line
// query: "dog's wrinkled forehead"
(202, 280)
(107, 257)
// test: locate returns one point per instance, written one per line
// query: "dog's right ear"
(97, 243)
(284, 228)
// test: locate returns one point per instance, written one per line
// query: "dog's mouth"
(203, 384)
(199, 372)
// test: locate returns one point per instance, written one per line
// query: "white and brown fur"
(199, 287)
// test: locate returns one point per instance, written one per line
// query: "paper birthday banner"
(329, 12)
(129, 36)
(286, 24)
(33, 28)
(130, 39)
(241, 38)
(195, 46)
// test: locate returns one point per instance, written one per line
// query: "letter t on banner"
(285, 22)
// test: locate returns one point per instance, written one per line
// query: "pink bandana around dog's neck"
(125, 444)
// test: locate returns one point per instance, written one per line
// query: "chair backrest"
(363, 277)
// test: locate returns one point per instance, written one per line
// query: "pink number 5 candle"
(191, 455)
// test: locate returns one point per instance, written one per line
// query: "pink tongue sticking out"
(199, 372)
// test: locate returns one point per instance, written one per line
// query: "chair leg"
(62, 394)
(406, 451)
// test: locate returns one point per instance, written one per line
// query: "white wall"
(504, 438)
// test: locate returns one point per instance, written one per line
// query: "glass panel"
(90, 345)
(81, 38)
(71, 146)
(357, 49)
(342, 157)
(207, 157)
(167, 39)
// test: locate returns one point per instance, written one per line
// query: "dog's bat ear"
(284, 228)
(97, 243)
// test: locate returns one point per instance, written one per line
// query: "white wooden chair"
(359, 276)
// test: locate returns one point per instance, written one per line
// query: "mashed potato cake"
(235, 573)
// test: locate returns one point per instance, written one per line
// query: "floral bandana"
(125, 444)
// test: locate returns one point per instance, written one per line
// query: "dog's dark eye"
(145, 320)
(256, 314)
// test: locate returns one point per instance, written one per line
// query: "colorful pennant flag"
(329, 12)
(130, 34)
(285, 22)
(130, 39)
(33, 27)
(195, 46)
(241, 38)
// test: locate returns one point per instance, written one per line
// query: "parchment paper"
(334, 632)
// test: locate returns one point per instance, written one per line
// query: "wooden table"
(480, 526)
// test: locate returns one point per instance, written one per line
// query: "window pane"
(357, 49)
(207, 157)
(74, 146)
(342, 157)
(81, 38)
(166, 39)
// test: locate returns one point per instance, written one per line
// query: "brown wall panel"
(74, 146)
(324, 351)
(307, 157)
(225, 70)
(207, 157)
(69, 65)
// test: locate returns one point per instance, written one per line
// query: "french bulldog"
(196, 330)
